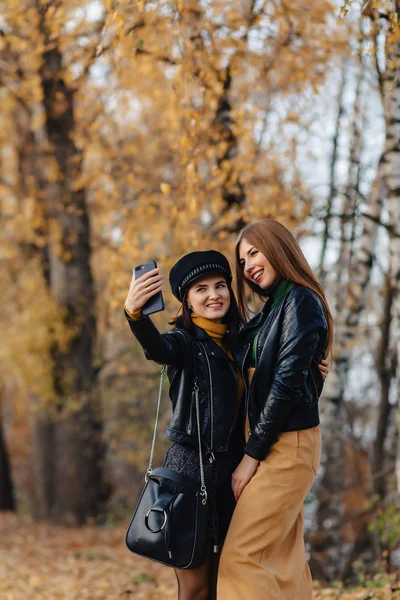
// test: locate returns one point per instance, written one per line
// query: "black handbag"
(172, 528)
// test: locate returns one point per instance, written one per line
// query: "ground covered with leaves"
(41, 561)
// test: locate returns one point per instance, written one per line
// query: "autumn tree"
(57, 249)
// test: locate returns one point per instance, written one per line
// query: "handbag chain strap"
(203, 489)
(153, 443)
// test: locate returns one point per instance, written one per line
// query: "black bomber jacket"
(287, 383)
(191, 357)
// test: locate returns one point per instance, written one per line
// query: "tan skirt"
(264, 556)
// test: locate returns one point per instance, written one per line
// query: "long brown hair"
(279, 246)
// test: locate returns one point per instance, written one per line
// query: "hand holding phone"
(145, 292)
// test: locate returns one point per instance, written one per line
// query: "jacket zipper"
(234, 423)
(258, 343)
(313, 379)
(190, 426)
(246, 408)
(211, 402)
(258, 350)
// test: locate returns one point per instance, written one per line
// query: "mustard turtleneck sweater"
(216, 331)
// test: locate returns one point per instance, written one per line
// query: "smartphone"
(155, 303)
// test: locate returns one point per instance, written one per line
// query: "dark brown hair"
(232, 319)
(279, 246)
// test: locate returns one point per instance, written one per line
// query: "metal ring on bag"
(203, 492)
(146, 520)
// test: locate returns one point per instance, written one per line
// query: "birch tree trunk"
(348, 312)
(351, 195)
(385, 372)
(332, 177)
(350, 303)
(391, 86)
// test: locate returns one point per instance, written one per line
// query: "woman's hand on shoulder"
(142, 289)
(324, 368)
(242, 475)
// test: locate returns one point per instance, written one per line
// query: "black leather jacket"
(191, 356)
(287, 382)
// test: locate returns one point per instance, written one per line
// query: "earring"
(189, 307)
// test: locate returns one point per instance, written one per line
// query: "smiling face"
(209, 297)
(256, 267)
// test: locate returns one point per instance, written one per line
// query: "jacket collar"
(201, 336)
(259, 317)
(275, 294)
(199, 333)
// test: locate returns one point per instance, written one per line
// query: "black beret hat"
(194, 265)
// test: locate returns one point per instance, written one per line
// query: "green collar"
(280, 288)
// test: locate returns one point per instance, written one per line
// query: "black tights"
(198, 584)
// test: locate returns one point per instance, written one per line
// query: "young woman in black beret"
(264, 556)
(204, 339)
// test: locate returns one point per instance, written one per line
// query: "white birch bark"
(351, 195)
(350, 307)
(391, 86)
(332, 176)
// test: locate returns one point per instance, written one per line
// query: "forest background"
(133, 130)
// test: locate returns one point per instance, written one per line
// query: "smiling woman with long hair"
(264, 556)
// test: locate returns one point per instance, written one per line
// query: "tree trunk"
(68, 444)
(232, 189)
(393, 184)
(351, 196)
(348, 310)
(7, 501)
(348, 313)
(385, 373)
(390, 86)
(332, 177)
